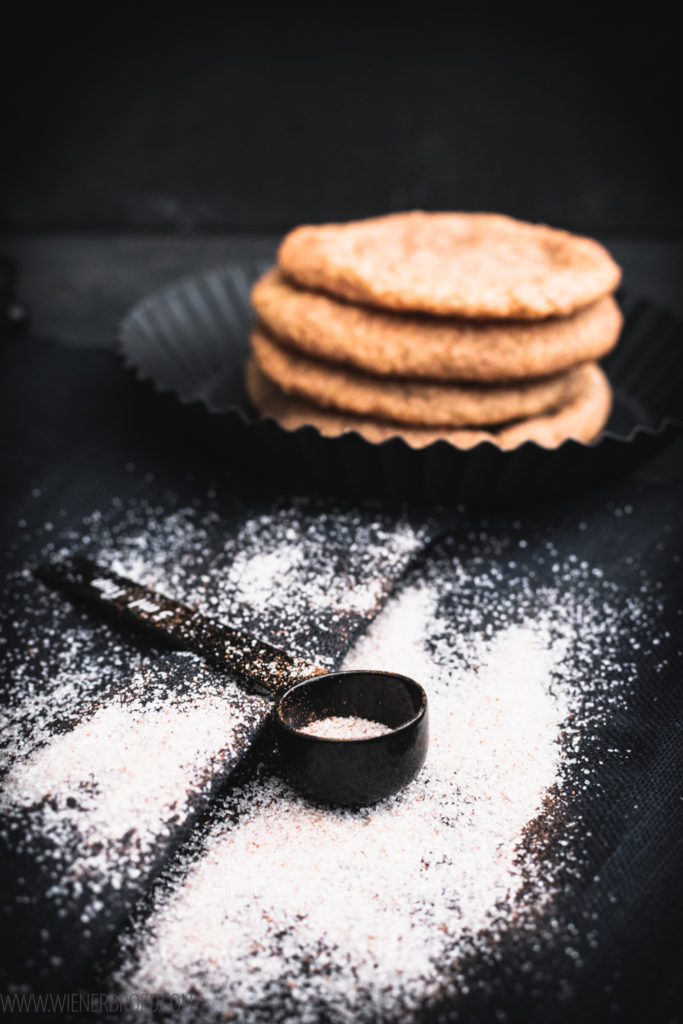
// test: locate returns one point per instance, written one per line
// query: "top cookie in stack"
(454, 326)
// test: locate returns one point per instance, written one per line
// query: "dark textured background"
(256, 118)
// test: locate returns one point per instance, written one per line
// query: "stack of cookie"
(452, 326)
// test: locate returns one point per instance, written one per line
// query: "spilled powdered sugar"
(275, 909)
(107, 791)
(379, 896)
(287, 911)
(284, 569)
(108, 750)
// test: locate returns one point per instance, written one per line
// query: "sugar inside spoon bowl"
(352, 737)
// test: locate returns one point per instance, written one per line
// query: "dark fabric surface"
(72, 424)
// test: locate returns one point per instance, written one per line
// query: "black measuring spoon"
(334, 770)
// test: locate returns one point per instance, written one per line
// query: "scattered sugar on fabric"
(102, 763)
(274, 556)
(287, 911)
(105, 792)
(366, 913)
(289, 567)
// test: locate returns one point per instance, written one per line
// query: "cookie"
(454, 264)
(581, 419)
(419, 403)
(440, 348)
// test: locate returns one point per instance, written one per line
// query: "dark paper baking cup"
(190, 340)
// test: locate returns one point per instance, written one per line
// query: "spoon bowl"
(354, 770)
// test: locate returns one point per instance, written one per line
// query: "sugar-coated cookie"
(440, 348)
(456, 264)
(582, 419)
(420, 403)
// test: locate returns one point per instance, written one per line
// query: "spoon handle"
(260, 666)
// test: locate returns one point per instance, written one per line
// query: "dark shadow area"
(255, 119)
